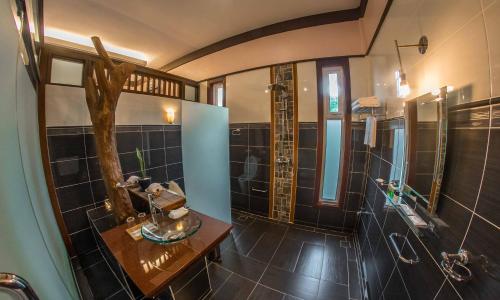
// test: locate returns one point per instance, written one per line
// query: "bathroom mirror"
(425, 127)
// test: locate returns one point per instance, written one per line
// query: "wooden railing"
(143, 81)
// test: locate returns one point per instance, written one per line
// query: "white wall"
(248, 102)
(464, 49)
(203, 91)
(361, 77)
(307, 94)
(246, 97)
(66, 106)
(31, 245)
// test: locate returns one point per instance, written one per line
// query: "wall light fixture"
(403, 88)
(170, 116)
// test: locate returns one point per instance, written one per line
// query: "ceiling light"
(305, 89)
(86, 41)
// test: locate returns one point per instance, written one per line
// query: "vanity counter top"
(153, 266)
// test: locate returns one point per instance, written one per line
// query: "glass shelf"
(397, 206)
(169, 230)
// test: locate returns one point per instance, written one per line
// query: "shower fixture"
(277, 85)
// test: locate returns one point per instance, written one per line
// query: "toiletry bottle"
(390, 190)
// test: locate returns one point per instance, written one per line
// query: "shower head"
(276, 87)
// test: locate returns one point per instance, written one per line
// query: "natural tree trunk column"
(112, 172)
(102, 99)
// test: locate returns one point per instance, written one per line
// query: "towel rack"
(411, 261)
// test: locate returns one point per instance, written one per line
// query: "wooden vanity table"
(167, 271)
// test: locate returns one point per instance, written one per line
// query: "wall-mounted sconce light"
(170, 116)
(403, 86)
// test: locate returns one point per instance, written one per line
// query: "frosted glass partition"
(332, 159)
(30, 243)
(205, 151)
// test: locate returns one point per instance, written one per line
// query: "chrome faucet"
(152, 208)
(460, 259)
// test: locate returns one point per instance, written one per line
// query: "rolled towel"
(155, 188)
(133, 179)
(177, 213)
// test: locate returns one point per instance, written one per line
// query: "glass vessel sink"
(169, 230)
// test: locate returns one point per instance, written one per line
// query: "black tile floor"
(264, 259)
(261, 259)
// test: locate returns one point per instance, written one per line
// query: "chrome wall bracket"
(455, 265)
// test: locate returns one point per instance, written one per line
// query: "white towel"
(371, 131)
(177, 213)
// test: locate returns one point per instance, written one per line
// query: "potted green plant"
(144, 180)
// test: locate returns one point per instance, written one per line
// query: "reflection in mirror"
(426, 121)
(398, 146)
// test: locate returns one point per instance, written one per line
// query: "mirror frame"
(439, 162)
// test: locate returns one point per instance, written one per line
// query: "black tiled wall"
(249, 162)
(249, 142)
(339, 218)
(468, 206)
(77, 176)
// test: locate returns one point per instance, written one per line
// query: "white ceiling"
(167, 29)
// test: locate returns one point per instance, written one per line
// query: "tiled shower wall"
(284, 120)
(77, 176)
(249, 162)
(251, 144)
(468, 205)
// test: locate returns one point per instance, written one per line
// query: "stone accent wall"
(283, 143)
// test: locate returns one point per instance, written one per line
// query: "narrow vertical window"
(216, 92)
(334, 131)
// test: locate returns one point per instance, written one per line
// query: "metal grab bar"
(410, 261)
(18, 285)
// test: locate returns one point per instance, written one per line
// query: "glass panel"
(331, 167)
(162, 86)
(132, 82)
(66, 72)
(398, 148)
(167, 88)
(333, 92)
(151, 85)
(138, 83)
(145, 83)
(218, 94)
(206, 159)
(31, 244)
(177, 94)
(189, 92)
